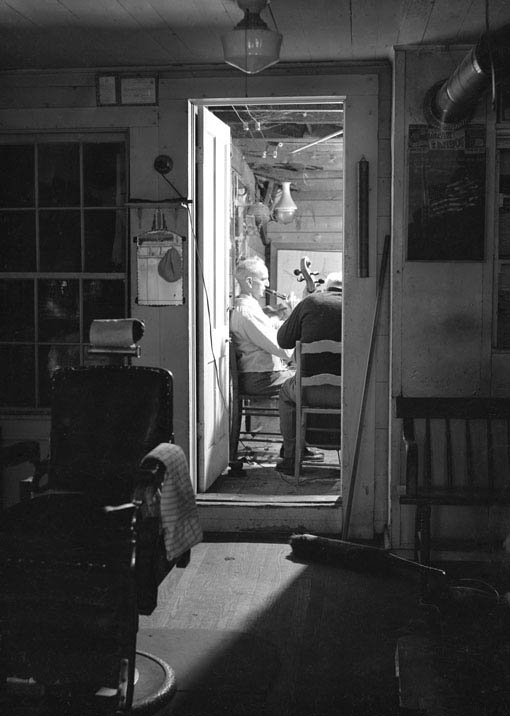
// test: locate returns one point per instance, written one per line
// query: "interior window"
(63, 255)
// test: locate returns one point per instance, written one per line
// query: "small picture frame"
(139, 90)
(107, 89)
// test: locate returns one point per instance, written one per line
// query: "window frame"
(81, 137)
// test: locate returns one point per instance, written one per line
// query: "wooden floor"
(251, 632)
(260, 477)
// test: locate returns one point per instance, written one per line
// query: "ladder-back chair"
(246, 406)
(317, 425)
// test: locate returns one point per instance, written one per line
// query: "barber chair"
(83, 556)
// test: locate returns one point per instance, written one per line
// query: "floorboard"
(249, 630)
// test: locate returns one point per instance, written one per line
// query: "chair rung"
(268, 437)
(319, 411)
(322, 379)
(259, 411)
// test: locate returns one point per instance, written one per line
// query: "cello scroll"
(304, 273)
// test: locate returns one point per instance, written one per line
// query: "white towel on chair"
(179, 512)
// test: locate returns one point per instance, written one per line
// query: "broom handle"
(380, 286)
(415, 566)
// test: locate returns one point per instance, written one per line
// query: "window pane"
(17, 377)
(17, 241)
(51, 358)
(59, 311)
(102, 299)
(59, 175)
(104, 173)
(17, 314)
(17, 175)
(105, 242)
(60, 245)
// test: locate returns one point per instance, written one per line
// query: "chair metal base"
(154, 686)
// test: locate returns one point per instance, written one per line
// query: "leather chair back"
(104, 420)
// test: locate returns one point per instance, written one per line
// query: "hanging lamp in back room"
(285, 207)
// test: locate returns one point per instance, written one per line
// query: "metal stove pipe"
(450, 103)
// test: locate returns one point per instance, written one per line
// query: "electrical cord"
(208, 307)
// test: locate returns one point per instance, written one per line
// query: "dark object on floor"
(421, 683)
(468, 599)
(358, 557)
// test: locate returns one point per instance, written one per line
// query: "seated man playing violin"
(317, 317)
(263, 365)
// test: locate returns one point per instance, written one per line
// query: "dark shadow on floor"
(322, 645)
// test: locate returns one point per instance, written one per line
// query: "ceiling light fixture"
(251, 46)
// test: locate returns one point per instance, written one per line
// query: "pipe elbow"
(450, 103)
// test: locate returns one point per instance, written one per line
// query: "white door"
(213, 195)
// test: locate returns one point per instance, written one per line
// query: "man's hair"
(333, 280)
(248, 267)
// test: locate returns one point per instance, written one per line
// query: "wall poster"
(446, 200)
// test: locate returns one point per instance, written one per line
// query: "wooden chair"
(323, 432)
(457, 453)
(244, 405)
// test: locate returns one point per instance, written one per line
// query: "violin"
(304, 273)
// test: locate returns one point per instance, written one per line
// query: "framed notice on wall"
(446, 194)
(138, 90)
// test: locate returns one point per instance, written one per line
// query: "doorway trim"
(360, 93)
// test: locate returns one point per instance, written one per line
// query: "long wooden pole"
(352, 484)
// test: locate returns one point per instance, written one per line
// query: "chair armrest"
(32, 484)
(148, 480)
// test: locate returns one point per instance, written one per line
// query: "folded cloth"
(179, 512)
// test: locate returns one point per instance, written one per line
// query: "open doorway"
(299, 143)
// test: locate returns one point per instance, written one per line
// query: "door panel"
(213, 191)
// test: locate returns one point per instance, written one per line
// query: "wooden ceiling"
(186, 35)
(288, 142)
(51, 34)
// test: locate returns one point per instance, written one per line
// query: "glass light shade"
(251, 49)
(285, 209)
